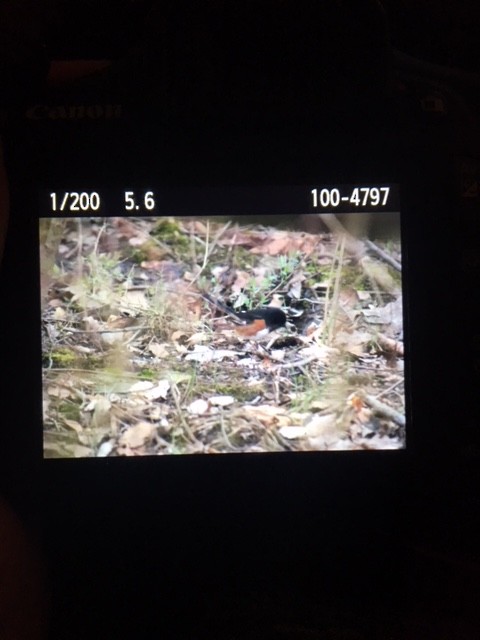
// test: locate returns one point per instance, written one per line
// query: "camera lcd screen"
(207, 321)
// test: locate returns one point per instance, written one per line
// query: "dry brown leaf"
(80, 451)
(101, 412)
(268, 415)
(133, 302)
(389, 345)
(128, 229)
(277, 246)
(137, 435)
(356, 402)
(159, 350)
(349, 298)
(73, 424)
(59, 392)
(177, 335)
(285, 242)
(242, 278)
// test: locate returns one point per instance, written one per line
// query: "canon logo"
(75, 112)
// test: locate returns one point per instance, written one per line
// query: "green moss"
(168, 231)
(148, 374)
(69, 410)
(237, 391)
(63, 357)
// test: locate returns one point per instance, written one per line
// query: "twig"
(185, 425)
(224, 432)
(331, 306)
(87, 331)
(390, 388)
(209, 249)
(383, 409)
(383, 255)
(297, 363)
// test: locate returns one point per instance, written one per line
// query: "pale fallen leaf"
(197, 338)
(59, 313)
(201, 353)
(221, 401)
(318, 425)
(105, 449)
(326, 442)
(320, 352)
(138, 242)
(382, 442)
(141, 385)
(160, 390)
(92, 324)
(198, 407)
(354, 342)
(249, 363)
(152, 265)
(80, 348)
(364, 296)
(344, 444)
(56, 302)
(318, 405)
(374, 316)
(295, 289)
(291, 432)
(179, 376)
(222, 354)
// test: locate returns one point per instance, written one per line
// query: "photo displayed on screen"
(168, 335)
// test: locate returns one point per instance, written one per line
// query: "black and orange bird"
(254, 323)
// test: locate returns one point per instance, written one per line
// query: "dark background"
(327, 546)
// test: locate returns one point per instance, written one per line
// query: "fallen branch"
(389, 345)
(382, 409)
(383, 255)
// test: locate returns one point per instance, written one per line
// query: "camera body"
(195, 522)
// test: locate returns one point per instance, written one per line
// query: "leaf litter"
(136, 363)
